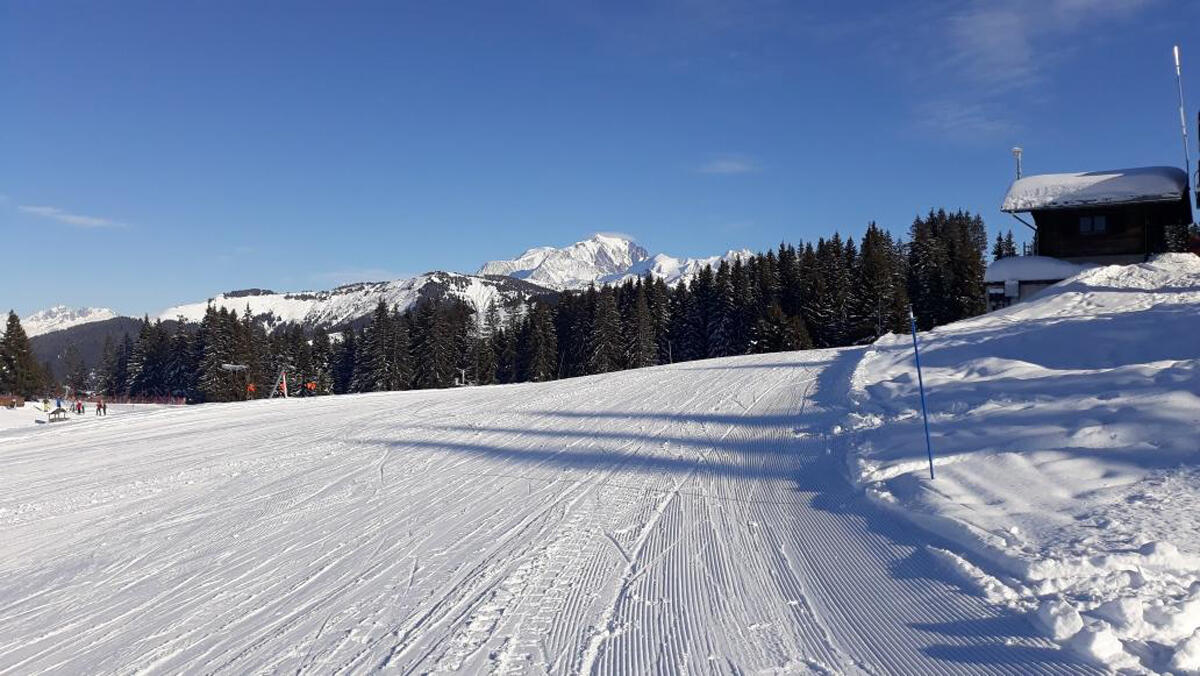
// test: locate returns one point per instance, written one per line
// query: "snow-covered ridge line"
(350, 302)
(62, 317)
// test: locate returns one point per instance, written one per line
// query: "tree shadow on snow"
(802, 451)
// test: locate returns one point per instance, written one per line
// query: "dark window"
(1091, 225)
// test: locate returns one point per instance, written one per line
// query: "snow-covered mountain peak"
(574, 266)
(600, 259)
(62, 317)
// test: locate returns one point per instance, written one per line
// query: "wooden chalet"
(1103, 217)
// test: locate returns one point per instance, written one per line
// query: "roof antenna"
(1187, 160)
(1016, 151)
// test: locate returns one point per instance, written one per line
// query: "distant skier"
(104, 404)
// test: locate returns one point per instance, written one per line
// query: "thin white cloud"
(1009, 44)
(978, 54)
(963, 121)
(728, 164)
(78, 220)
(235, 253)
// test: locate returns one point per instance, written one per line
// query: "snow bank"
(1031, 269)
(1068, 459)
(1060, 191)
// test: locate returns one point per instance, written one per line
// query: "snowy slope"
(1067, 436)
(354, 301)
(681, 519)
(600, 259)
(62, 317)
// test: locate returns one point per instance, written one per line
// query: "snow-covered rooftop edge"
(1031, 269)
(1117, 186)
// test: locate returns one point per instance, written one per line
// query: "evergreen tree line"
(829, 293)
(1004, 246)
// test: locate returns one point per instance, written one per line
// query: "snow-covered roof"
(1119, 186)
(1031, 269)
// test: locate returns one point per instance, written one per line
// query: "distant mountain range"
(350, 304)
(62, 317)
(509, 284)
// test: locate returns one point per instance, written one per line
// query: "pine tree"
(483, 359)
(776, 332)
(790, 287)
(540, 345)
(967, 244)
(76, 370)
(605, 351)
(252, 348)
(322, 358)
(345, 355)
(434, 347)
(883, 302)
(108, 358)
(721, 314)
(215, 383)
(928, 273)
(374, 368)
(658, 301)
(574, 319)
(116, 371)
(180, 372)
(642, 343)
(946, 265)
(148, 362)
(19, 370)
(1010, 245)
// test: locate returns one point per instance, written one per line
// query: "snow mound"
(1031, 269)
(1067, 458)
(62, 317)
(1062, 191)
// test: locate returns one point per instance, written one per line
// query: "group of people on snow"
(79, 407)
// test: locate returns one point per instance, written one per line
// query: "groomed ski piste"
(762, 514)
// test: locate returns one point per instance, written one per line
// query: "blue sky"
(155, 153)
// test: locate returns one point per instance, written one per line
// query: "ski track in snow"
(679, 519)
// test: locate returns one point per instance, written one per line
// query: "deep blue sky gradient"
(156, 153)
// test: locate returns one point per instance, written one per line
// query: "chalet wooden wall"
(1131, 229)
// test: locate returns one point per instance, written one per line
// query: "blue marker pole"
(912, 321)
